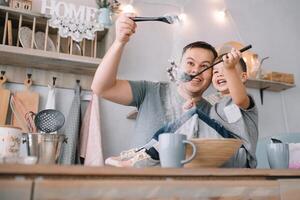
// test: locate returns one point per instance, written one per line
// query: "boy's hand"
(231, 59)
(125, 27)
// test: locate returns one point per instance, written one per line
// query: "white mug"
(10, 141)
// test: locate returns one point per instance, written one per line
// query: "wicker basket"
(212, 152)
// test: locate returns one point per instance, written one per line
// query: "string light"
(128, 8)
(182, 17)
(220, 15)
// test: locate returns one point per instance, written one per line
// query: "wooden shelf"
(34, 58)
(263, 85)
(268, 85)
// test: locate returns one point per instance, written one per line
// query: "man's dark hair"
(242, 63)
(202, 45)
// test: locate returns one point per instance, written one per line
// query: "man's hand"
(125, 27)
(231, 59)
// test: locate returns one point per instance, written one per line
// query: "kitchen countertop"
(158, 173)
(78, 182)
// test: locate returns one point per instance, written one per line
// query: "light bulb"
(128, 8)
(182, 16)
(220, 15)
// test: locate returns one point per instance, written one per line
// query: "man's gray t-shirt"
(245, 127)
(158, 103)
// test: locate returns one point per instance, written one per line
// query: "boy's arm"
(235, 84)
(105, 82)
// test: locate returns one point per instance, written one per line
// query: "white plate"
(25, 35)
(39, 42)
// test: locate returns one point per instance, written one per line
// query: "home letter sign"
(72, 20)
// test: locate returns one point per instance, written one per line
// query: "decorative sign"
(79, 22)
(21, 4)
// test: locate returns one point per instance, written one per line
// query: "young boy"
(234, 116)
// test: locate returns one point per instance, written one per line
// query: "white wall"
(273, 29)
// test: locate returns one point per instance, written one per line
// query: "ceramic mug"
(172, 150)
(10, 141)
(278, 155)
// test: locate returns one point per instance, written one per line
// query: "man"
(157, 102)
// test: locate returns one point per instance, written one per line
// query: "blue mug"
(172, 150)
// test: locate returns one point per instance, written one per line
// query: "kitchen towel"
(72, 128)
(84, 131)
(91, 144)
(51, 98)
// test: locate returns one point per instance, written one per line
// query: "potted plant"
(104, 16)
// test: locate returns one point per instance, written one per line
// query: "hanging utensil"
(26, 100)
(17, 113)
(29, 117)
(49, 120)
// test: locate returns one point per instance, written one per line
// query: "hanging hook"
(2, 74)
(54, 79)
(29, 77)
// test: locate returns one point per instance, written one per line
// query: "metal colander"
(49, 120)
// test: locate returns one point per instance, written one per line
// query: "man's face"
(193, 61)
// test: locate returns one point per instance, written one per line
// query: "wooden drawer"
(155, 189)
(15, 189)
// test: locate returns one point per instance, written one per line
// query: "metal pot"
(46, 147)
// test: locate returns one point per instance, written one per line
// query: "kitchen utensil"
(49, 120)
(46, 147)
(212, 152)
(187, 77)
(278, 154)
(10, 141)
(25, 36)
(29, 117)
(166, 19)
(172, 150)
(17, 113)
(39, 42)
(4, 100)
(26, 101)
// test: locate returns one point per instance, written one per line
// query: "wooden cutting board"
(29, 101)
(4, 101)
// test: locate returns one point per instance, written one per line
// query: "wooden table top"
(82, 171)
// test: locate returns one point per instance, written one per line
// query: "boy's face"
(219, 81)
(193, 61)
